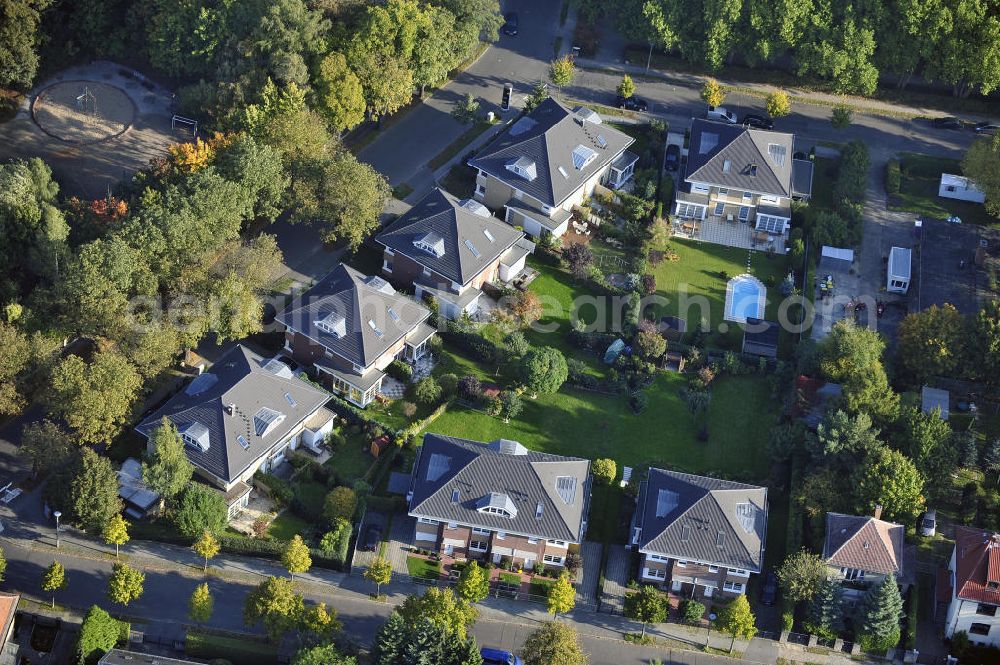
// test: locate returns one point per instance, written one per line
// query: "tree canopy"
(168, 470)
(801, 576)
(544, 370)
(93, 499)
(94, 399)
(275, 604)
(553, 643)
(889, 479)
(440, 607)
(201, 510)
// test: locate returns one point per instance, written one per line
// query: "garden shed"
(898, 270)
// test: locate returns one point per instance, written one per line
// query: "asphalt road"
(404, 149)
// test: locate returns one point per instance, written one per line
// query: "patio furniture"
(730, 218)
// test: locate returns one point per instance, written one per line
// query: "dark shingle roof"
(549, 138)
(549, 493)
(725, 155)
(863, 542)
(250, 383)
(698, 518)
(458, 224)
(365, 314)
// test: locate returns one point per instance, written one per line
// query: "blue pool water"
(746, 299)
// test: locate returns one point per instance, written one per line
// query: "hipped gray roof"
(698, 518)
(249, 383)
(743, 159)
(465, 229)
(454, 480)
(369, 312)
(548, 137)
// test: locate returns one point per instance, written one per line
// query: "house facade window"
(986, 610)
(557, 543)
(713, 569)
(550, 558)
(719, 207)
(723, 191)
(744, 213)
(979, 629)
(852, 573)
(655, 573)
(657, 557)
(681, 564)
(478, 545)
(699, 189)
(734, 587)
(481, 532)
(739, 572)
(480, 190)
(689, 211)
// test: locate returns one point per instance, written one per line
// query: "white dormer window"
(523, 167)
(496, 503)
(431, 243)
(334, 324)
(582, 156)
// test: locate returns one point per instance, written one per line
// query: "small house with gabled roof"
(498, 501)
(701, 536)
(349, 327)
(243, 415)
(549, 161)
(974, 574)
(861, 550)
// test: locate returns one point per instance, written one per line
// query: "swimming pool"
(745, 298)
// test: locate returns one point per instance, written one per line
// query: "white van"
(722, 114)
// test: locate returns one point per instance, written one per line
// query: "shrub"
(448, 383)
(648, 284)
(469, 388)
(492, 406)
(893, 177)
(280, 490)
(691, 611)
(787, 621)
(409, 409)
(201, 509)
(340, 503)
(427, 391)
(638, 402)
(604, 470)
(400, 371)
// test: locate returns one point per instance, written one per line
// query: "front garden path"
(586, 590)
(615, 580)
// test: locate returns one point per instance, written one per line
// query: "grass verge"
(456, 146)
(243, 649)
(423, 568)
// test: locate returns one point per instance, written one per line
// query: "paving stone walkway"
(615, 580)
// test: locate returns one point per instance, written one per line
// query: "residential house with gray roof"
(498, 501)
(549, 161)
(449, 249)
(740, 176)
(243, 415)
(349, 327)
(861, 550)
(701, 536)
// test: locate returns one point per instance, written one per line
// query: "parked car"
(509, 26)
(631, 103)
(757, 121)
(947, 122)
(987, 128)
(499, 657)
(722, 114)
(769, 592)
(928, 525)
(372, 537)
(673, 158)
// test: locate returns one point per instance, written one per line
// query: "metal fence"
(498, 589)
(798, 638)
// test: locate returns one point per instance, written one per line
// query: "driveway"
(616, 579)
(402, 151)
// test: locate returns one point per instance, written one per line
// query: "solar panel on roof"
(566, 488)
(666, 501)
(777, 153)
(437, 466)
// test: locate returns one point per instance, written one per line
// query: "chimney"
(230, 409)
(878, 511)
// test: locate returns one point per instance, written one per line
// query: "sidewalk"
(858, 104)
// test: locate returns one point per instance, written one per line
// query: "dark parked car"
(509, 26)
(631, 103)
(769, 592)
(757, 121)
(987, 128)
(673, 158)
(947, 122)
(372, 537)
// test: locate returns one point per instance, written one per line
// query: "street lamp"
(57, 516)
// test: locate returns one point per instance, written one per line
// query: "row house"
(699, 536)
(498, 501)
(549, 161)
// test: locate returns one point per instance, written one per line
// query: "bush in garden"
(492, 406)
(638, 402)
(448, 383)
(691, 611)
(409, 409)
(427, 391)
(469, 388)
(400, 371)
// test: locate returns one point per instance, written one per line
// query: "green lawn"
(242, 650)
(311, 496)
(287, 525)
(919, 188)
(510, 578)
(424, 568)
(540, 586)
(593, 425)
(352, 460)
(604, 525)
(697, 277)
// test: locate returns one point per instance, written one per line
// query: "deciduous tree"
(339, 95)
(738, 620)
(778, 104)
(931, 342)
(340, 503)
(626, 88)
(442, 608)
(647, 606)
(841, 116)
(319, 623)
(324, 654)
(562, 595)
(652, 344)
(888, 478)
(801, 576)
(201, 604)
(168, 471)
(604, 470)
(553, 643)
(99, 634)
(561, 71)
(474, 583)
(125, 584)
(578, 258)
(982, 164)
(712, 93)
(296, 557)
(275, 604)
(206, 547)
(510, 404)
(54, 579)
(13, 360)
(201, 510)
(18, 41)
(544, 370)
(48, 446)
(94, 399)
(116, 532)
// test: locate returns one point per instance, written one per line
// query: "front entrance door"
(496, 558)
(449, 549)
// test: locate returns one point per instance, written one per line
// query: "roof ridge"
(868, 520)
(729, 521)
